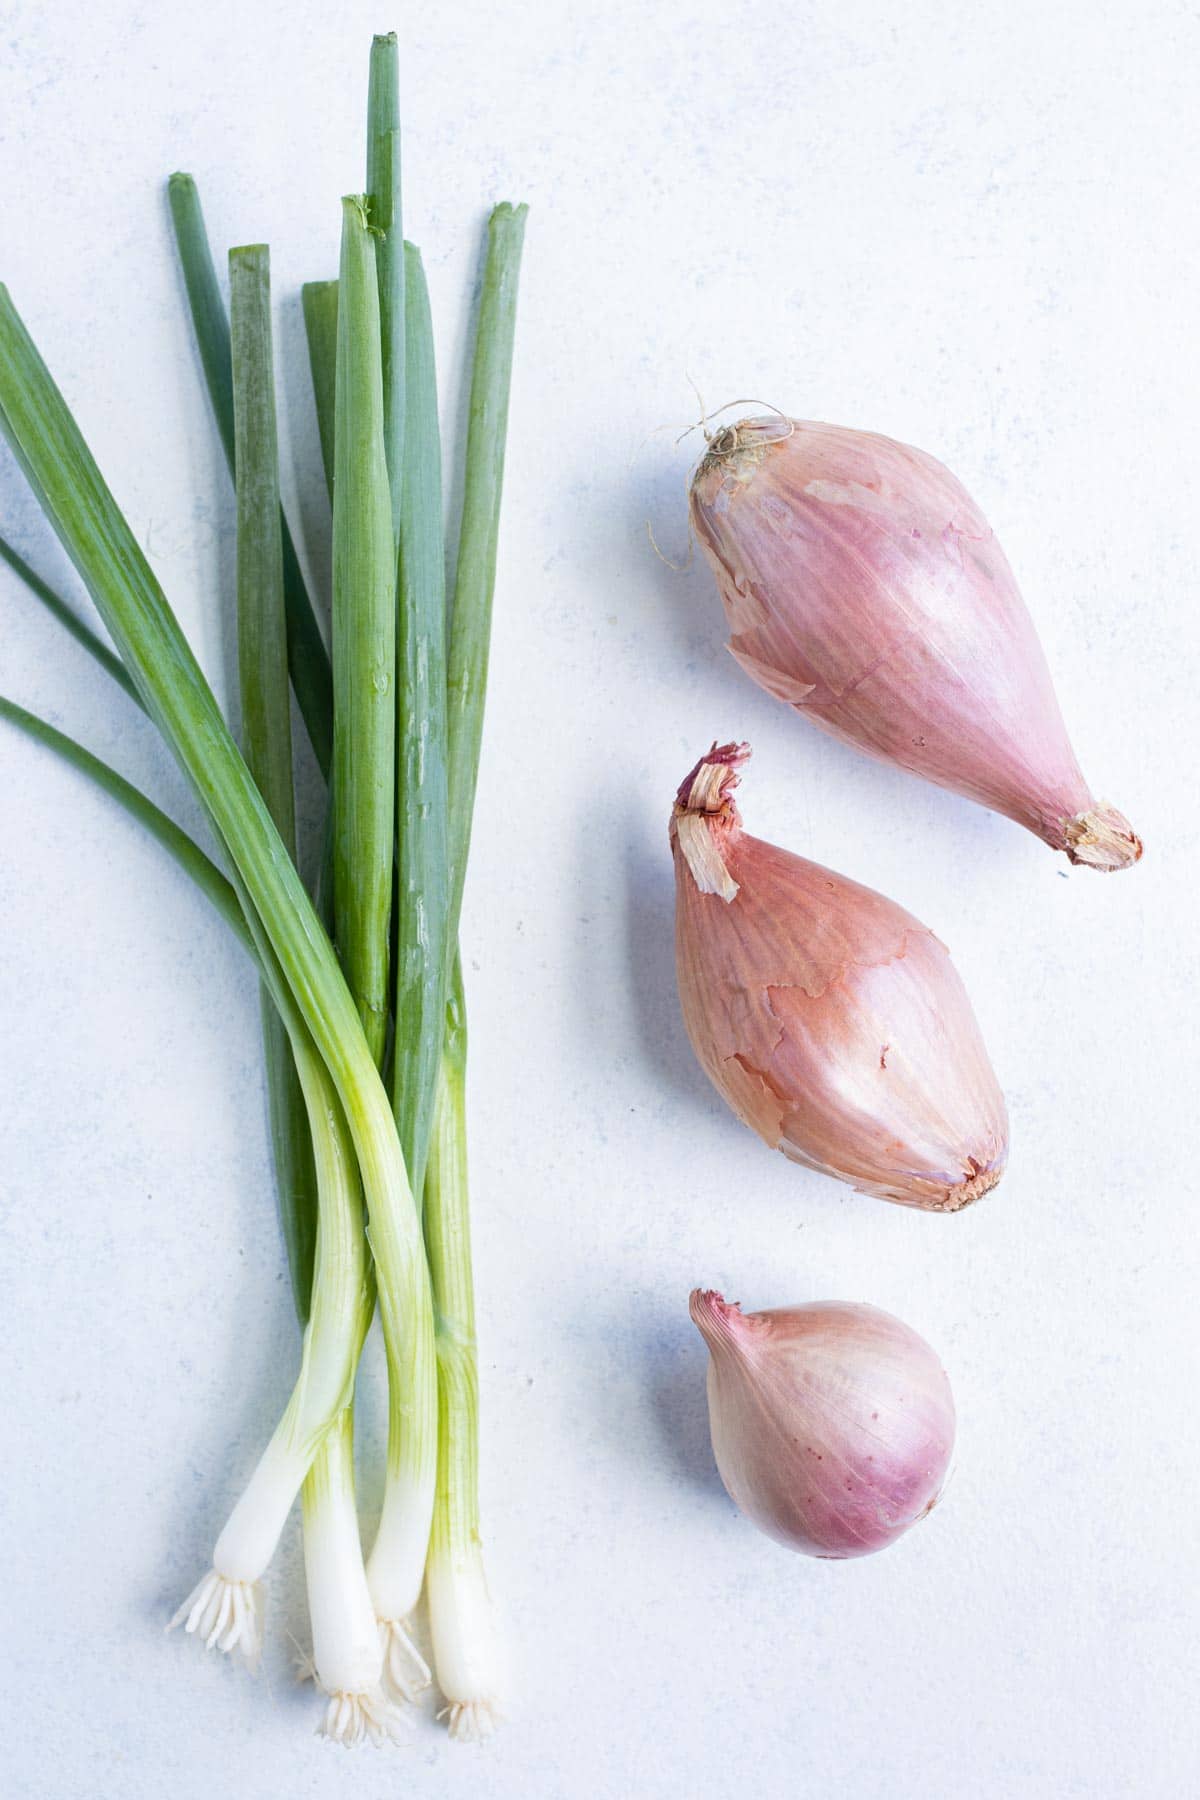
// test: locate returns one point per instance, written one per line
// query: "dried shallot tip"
(832, 1424)
(865, 589)
(707, 787)
(832, 1022)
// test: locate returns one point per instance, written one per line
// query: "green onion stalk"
(397, 1560)
(396, 1565)
(405, 1669)
(333, 1058)
(347, 1654)
(398, 1556)
(465, 1642)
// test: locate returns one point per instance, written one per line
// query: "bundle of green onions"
(365, 1035)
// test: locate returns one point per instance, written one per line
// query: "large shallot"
(864, 587)
(831, 1020)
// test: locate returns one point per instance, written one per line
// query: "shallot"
(831, 1020)
(832, 1424)
(864, 588)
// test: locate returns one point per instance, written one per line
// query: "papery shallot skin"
(831, 1020)
(832, 1424)
(865, 589)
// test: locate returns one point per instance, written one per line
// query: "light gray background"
(974, 228)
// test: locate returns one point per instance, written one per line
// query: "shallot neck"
(705, 817)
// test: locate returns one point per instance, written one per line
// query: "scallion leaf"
(266, 711)
(320, 303)
(364, 641)
(421, 846)
(475, 573)
(384, 212)
(308, 659)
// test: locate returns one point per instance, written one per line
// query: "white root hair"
(471, 1721)
(367, 1717)
(225, 1615)
(405, 1671)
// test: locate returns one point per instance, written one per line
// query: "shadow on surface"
(676, 1363)
(650, 938)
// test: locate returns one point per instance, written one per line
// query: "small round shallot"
(832, 1424)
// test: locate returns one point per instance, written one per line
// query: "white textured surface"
(973, 228)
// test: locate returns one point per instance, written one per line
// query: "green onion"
(364, 641)
(397, 1559)
(308, 659)
(385, 216)
(465, 1647)
(320, 303)
(363, 800)
(266, 710)
(49, 447)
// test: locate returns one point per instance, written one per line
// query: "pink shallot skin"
(864, 588)
(832, 1424)
(831, 1020)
